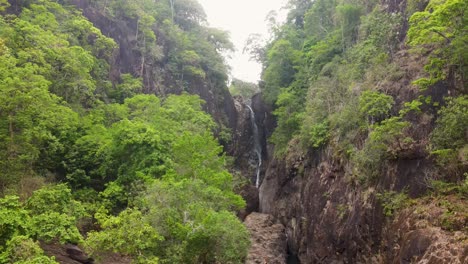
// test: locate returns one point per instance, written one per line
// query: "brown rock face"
(433, 230)
(242, 145)
(268, 240)
(250, 195)
(326, 219)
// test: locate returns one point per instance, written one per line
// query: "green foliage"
(50, 214)
(337, 93)
(37, 37)
(375, 106)
(128, 233)
(23, 250)
(289, 120)
(413, 106)
(324, 104)
(322, 52)
(344, 49)
(446, 188)
(57, 198)
(199, 157)
(243, 89)
(220, 237)
(186, 111)
(144, 141)
(450, 130)
(393, 201)
(140, 150)
(319, 134)
(416, 6)
(342, 210)
(34, 125)
(384, 142)
(65, 116)
(129, 87)
(4, 5)
(381, 30)
(52, 225)
(440, 29)
(13, 219)
(346, 126)
(197, 228)
(448, 139)
(319, 19)
(279, 73)
(54, 214)
(389, 131)
(348, 16)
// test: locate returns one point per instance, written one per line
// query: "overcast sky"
(241, 18)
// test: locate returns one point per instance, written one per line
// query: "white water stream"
(257, 146)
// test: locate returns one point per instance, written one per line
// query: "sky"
(241, 18)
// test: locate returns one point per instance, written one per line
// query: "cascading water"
(257, 146)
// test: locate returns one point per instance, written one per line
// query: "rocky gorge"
(122, 142)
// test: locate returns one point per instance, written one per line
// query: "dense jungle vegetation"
(371, 142)
(108, 160)
(99, 161)
(334, 73)
(363, 89)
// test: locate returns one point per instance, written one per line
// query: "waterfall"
(257, 146)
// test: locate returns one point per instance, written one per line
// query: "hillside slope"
(108, 152)
(371, 143)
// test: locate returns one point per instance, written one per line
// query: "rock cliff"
(330, 217)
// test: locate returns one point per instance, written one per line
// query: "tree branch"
(442, 35)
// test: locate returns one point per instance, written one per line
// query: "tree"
(349, 17)
(192, 217)
(283, 60)
(441, 28)
(4, 5)
(23, 250)
(289, 116)
(242, 88)
(297, 10)
(375, 106)
(450, 130)
(50, 214)
(128, 233)
(66, 116)
(188, 13)
(34, 125)
(318, 20)
(449, 142)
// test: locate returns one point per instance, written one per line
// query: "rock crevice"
(268, 240)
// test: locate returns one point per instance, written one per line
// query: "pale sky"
(241, 18)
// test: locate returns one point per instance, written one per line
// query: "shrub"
(128, 233)
(450, 130)
(23, 250)
(384, 142)
(375, 106)
(392, 201)
(449, 140)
